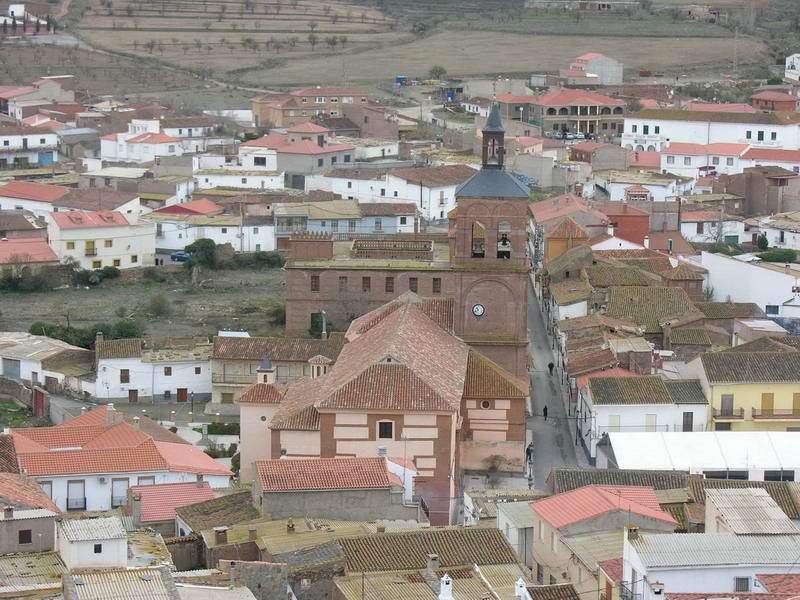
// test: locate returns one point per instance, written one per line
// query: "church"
(433, 372)
(480, 263)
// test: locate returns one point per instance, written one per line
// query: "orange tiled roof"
(592, 501)
(28, 190)
(22, 492)
(568, 97)
(158, 502)
(152, 138)
(262, 393)
(322, 474)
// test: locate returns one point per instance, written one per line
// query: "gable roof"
(408, 550)
(28, 190)
(122, 348)
(689, 336)
(277, 349)
(20, 250)
(564, 479)
(592, 501)
(85, 220)
(492, 183)
(84, 530)
(440, 176)
(566, 97)
(95, 199)
(647, 389)
(607, 276)
(780, 491)
(728, 310)
(23, 492)
(752, 367)
(262, 393)
(648, 306)
(681, 273)
(685, 391)
(761, 118)
(158, 502)
(560, 591)
(228, 510)
(321, 474)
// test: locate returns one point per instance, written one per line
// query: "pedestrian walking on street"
(551, 366)
(544, 412)
(529, 453)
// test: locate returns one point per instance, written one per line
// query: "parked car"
(179, 256)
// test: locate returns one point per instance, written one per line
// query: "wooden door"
(688, 421)
(183, 394)
(767, 404)
(133, 396)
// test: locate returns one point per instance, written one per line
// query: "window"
(687, 160)
(244, 179)
(227, 397)
(441, 197)
(670, 160)
(124, 376)
(134, 258)
(403, 220)
(646, 129)
(760, 136)
(70, 245)
(634, 128)
(722, 427)
(351, 225)
(485, 404)
(366, 284)
(378, 224)
(729, 162)
(323, 223)
(347, 158)
(260, 161)
(319, 100)
(343, 283)
(726, 404)
(334, 225)
(749, 135)
(773, 136)
(553, 580)
(436, 285)
(224, 230)
(96, 264)
(333, 160)
(700, 226)
(772, 309)
(171, 148)
(98, 548)
(255, 229)
(108, 243)
(315, 283)
(715, 160)
(413, 284)
(320, 162)
(383, 191)
(25, 536)
(386, 430)
(541, 530)
(198, 370)
(390, 285)
(553, 542)
(167, 371)
(116, 262)
(657, 129)
(349, 185)
(741, 584)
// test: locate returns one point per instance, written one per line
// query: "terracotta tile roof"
(560, 206)
(515, 99)
(329, 91)
(655, 264)
(729, 310)
(86, 220)
(606, 276)
(152, 138)
(186, 458)
(614, 209)
(381, 209)
(567, 228)
(408, 550)
(685, 391)
(386, 386)
(8, 454)
(780, 491)
(772, 154)
(570, 291)
(592, 501)
(732, 107)
(88, 199)
(591, 361)
(28, 190)
(362, 174)
(277, 349)
(21, 251)
(647, 389)
(307, 128)
(648, 306)
(561, 591)
(644, 159)
(158, 502)
(201, 206)
(322, 474)
(124, 348)
(612, 568)
(262, 393)
(781, 583)
(273, 141)
(774, 95)
(763, 344)
(228, 510)
(659, 240)
(722, 149)
(309, 147)
(484, 379)
(568, 97)
(446, 175)
(23, 492)
(689, 336)
(564, 480)
(792, 341)
(752, 367)
(717, 116)
(583, 380)
(99, 417)
(296, 411)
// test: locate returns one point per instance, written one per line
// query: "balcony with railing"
(76, 503)
(230, 378)
(90, 252)
(778, 414)
(730, 414)
(626, 593)
(117, 501)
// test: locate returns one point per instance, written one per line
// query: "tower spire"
(493, 139)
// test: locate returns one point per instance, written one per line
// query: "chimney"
(433, 561)
(98, 337)
(520, 589)
(136, 422)
(382, 452)
(610, 229)
(8, 512)
(666, 145)
(633, 533)
(252, 532)
(221, 535)
(110, 413)
(84, 409)
(446, 588)
(381, 528)
(266, 372)
(290, 525)
(669, 245)
(666, 328)
(646, 242)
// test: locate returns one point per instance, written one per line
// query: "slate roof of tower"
(494, 123)
(492, 183)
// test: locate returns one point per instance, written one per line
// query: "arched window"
(618, 110)
(551, 111)
(563, 111)
(478, 240)
(640, 147)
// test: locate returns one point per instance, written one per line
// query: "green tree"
(203, 252)
(762, 242)
(437, 72)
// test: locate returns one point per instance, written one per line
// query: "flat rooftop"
(343, 260)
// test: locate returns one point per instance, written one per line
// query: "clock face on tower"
(478, 310)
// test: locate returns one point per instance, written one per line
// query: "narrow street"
(553, 444)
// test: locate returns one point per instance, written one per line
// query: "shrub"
(153, 274)
(762, 242)
(202, 252)
(159, 306)
(223, 428)
(109, 272)
(236, 463)
(782, 255)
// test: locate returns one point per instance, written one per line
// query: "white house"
(619, 186)
(93, 543)
(101, 239)
(791, 71)
(718, 564)
(244, 233)
(699, 160)
(651, 129)
(646, 403)
(239, 178)
(770, 157)
(88, 462)
(773, 287)
(708, 226)
(23, 146)
(607, 70)
(128, 371)
(782, 230)
(432, 189)
(516, 520)
(148, 138)
(40, 360)
(37, 198)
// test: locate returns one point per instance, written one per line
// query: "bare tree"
(313, 39)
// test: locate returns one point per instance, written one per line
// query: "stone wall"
(186, 552)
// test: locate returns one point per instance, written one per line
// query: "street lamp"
(191, 397)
